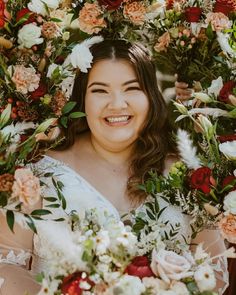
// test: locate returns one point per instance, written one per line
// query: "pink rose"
(227, 227)
(170, 266)
(218, 21)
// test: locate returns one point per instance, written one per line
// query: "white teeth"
(117, 119)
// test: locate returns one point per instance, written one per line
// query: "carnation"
(25, 79)
(218, 21)
(26, 187)
(29, 35)
(38, 6)
(135, 12)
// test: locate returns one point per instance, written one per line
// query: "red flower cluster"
(2, 8)
(202, 179)
(193, 14)
(110, 4)
(39, 92)
(139, 267)
(225, 6)
(71, 284)
(226, 90)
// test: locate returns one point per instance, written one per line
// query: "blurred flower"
(38, 6)
(215, 86)
(29, 35)
(228, 148)
(211, 209)
(22, 13)
(163, 42)
(39, 92)
(50, 30)
(155, 284)
(73, 284)
(179, 288)
(129, 285)
(205, 278)
(193, 14)
(6, 182)
(218, 21)
(224, 6)
(110, 4)
(226, 90)
(26, 187)
(139, 267)
(202, 97)
(201, 179)
(206, 124)
(230, 202)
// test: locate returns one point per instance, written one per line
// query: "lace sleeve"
(215, 245)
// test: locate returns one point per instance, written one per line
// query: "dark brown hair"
(153, 143)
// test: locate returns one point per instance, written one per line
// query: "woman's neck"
(114, 157)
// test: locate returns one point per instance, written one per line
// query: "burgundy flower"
(21, 13)
(228, 179)
(226, 90)
(224, 138)
(39, 92)
(225, 6)
(110, 4)
(140, 267)
(169, 4)
(193, 14)
(71, 284)
(2, 8)
(202, 179)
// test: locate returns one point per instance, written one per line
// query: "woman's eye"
(98, 91)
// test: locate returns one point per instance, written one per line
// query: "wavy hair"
(152, 145)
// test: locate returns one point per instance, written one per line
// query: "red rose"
(169, 4)
(21, 13)
(193, 14)
(226, 90)
(228, 179)
(202, 179)
(71, 284)
(225, 6)
(140, 267)
(39, 92)
(224, 138)
(110, 4)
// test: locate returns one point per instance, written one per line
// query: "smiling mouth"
(118, 119)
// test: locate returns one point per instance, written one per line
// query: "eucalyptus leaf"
(10, 219)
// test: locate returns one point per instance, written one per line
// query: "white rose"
(170, 266)
(228, 148)
(230, 202)
(38, 6)
(179, 288)
(129, 285)
(205, 278)
(29, 35)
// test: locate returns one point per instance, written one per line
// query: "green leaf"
(5, 116)
(59, 219)
(64, 121)
(50, 199)
(41, 212)
(44, 126)
(53, 206)
(76, 115)
(31, 223)
(10, 219)
(39, 277)
(3, 199)
(68, 107)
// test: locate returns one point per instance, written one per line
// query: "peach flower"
(135, 11)
(163, 42)
(25, 79)
(26, 187)
(90, 20)
(218, 21)
(227, 227)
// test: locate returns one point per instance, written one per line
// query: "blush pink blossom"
(163, 42)
(135, 12)
(218, 21)
(25, 79)
(26, 187)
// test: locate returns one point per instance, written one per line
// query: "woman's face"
(115, 105)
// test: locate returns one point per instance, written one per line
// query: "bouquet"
(100, 255)
(192, 38)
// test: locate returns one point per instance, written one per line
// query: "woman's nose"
(117, 101)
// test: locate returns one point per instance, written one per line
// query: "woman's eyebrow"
(130, 82)
(97, 83)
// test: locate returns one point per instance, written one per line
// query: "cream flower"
(26, 187)
(163, 42)
(129, 285)
(25, 79)
(29, 35)
(227, 227)
(170, 266)
(205, 278)
(230, 202)
(228, 148)
(90, 20)
(179, 288)
(155, 284)
(38, 6)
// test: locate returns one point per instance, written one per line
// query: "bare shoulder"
(169, 161)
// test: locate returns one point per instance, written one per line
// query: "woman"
(110, 151)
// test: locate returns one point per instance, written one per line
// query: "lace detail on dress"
(17, 259)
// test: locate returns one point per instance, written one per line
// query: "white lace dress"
(80, 196)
